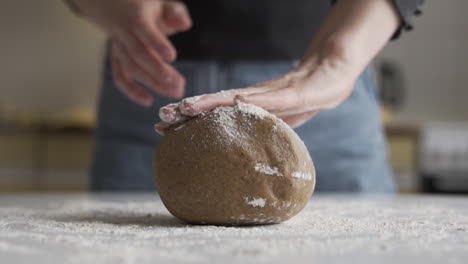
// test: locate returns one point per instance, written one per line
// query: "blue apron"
(347, 143)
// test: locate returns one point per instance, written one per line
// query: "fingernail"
(174, 82)
(148, 102)
(171, 114)
(168, 55)
(168, 112)
(189, 107)
(177, 9)
(169, 80)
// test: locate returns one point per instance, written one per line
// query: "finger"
(135, 92)
(176, 18)
(198, 104)
(147, 57)
(298, 119)
(195, 105)
(137, 73)
(161, 128)
(158, 75)
(171, 114)
(153, 38)
(280, 101)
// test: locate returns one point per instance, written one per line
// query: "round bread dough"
(234, 165)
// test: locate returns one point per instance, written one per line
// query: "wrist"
(335, 54)
(352, 34)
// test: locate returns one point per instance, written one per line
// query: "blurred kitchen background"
(49, 79)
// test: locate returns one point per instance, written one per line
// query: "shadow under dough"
(149, 220)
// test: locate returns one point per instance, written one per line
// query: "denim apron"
(347, 144)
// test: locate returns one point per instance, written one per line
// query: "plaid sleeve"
(407, 9)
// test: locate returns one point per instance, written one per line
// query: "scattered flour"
(225, 118)
(13, 248)
(275, 128)
(138, 229)
(255, 201)
(179, 126)
(231, 93)
(264, 168)
(252, 110)
(302, 175)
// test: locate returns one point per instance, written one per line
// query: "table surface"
(136, 228)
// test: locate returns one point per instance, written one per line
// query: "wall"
(434, 58)
(50, 60)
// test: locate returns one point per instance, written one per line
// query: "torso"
(250, 30)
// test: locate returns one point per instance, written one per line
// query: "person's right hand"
(140, 49)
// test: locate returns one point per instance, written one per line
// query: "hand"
(294, 97)
(348, 39)
(140, 49)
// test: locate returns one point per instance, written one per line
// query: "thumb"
(175, 17)
(298, 120)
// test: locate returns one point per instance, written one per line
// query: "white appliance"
(444, 157)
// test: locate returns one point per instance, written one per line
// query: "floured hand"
(294, 97)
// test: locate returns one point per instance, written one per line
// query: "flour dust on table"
(137, 229)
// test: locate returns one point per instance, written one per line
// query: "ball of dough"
(235, 165)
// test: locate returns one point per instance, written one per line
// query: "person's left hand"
(294, 97)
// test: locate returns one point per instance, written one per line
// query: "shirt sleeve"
(407, 9)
